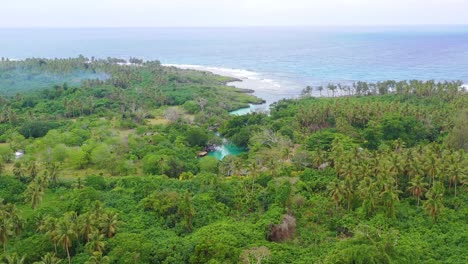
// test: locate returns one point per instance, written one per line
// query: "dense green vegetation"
(110, 172)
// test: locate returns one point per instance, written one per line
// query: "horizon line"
(238, 26)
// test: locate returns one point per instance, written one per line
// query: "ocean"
(283, 60)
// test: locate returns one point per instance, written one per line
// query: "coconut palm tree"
(97, 258)
(48, 225)
(109, 224)
(418, 187)
(49, 258)
(87, 224)
(390, 197)
(32, 169)
(96, 243)
(10, 223)
(66, 234)
(5, 229)
(337, 191)
(14, 259)
(34, 193)
(433, 206)
(97, 210)
(18, 170)
(320, 89)
(456, 171)
(332, 88)
(434, 203)
(368, 192)
(431, 166)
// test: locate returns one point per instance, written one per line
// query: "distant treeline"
(417, 87)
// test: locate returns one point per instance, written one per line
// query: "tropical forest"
(109, 161)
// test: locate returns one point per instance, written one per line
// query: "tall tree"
(66, 234)
(417, 187)
(109, 224)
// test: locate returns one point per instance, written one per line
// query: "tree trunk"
(68, 255)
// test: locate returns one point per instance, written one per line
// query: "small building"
(202, 154)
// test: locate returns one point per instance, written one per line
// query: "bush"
(11, 189)
(37, 129)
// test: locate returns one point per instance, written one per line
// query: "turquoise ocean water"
(280, 61)
(285, 58)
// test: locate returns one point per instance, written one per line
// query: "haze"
(213, 13)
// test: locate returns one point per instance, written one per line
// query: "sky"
(219, 13)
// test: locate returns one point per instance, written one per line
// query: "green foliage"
(11, 189)
(209, 164)
(154, 164)
(407, 129)
(221, 242)
(372, 178)
(370, 245)
(197, 136)
(323, 140)
(37, 129)
(95, 181)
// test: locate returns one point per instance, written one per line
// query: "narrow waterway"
(227, 148)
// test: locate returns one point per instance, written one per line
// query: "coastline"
(247, 81)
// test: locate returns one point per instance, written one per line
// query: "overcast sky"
(164, 13)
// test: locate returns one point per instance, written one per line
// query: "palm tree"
(10, 223)
(32, 169)
(337, 191)
(87, 223)
(431, 164)
(34, 193)
(109, 223)
(434, 203)
(455, 170)
(307, 91)
(368, 192)
(96, 243)
(390, 198)
(5, 229)
(18, 170)
(417, 187)
(51, 229)
(320, 89)
(14, 259)
(52, 172)
(15, 219)
(433, 206)
(97, 210)
(97, 258)
(66, 234)
(49, 258)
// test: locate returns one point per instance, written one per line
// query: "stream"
(227, 148)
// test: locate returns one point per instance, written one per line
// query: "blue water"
(295, 57)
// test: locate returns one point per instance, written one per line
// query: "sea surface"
(280, 61)
(276, 62)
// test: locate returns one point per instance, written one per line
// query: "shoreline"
(247, 82)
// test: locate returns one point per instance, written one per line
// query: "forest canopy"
(106, 169)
